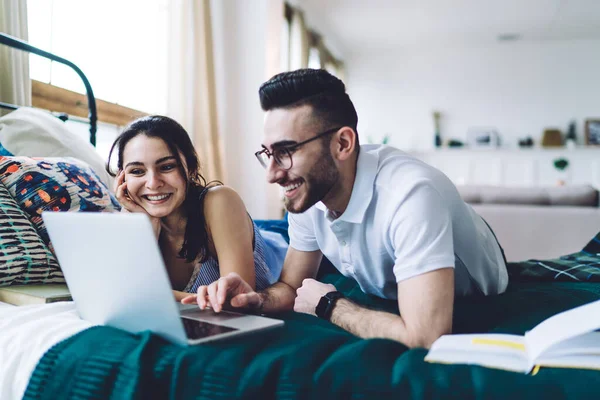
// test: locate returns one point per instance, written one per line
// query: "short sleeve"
(302, 232)
(421, 233)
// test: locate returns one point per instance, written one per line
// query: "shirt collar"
(362, 190)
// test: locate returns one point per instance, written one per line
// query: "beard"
(318, 182)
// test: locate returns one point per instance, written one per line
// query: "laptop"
(116, 275)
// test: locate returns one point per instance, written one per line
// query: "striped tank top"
(267, 266)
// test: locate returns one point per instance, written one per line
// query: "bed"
(47, 352)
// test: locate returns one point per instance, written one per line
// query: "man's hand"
(425, 302)
(309, 294)
(230, 288)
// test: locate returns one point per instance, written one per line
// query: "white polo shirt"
(404, 218)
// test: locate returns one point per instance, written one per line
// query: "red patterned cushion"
(54, 184)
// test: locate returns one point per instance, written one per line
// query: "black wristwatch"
(326, 304)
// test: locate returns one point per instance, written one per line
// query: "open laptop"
(117, 277)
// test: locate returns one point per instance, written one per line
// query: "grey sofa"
(542, 223)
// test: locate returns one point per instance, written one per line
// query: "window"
(121, 46)
(285, 39)
(314, 58)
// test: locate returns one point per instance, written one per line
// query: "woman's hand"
(230, 289)
(128, 205)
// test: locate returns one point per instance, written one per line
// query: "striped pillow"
(24, 258)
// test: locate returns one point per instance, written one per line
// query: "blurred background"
(492, 93)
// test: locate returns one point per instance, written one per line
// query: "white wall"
(517, 167)
(520, 88)
(242, 33)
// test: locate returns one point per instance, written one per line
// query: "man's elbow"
(424, 338)
(422, 342)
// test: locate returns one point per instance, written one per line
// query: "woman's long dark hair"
(195, 242)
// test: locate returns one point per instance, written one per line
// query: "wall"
(517, 167)
(517, 87)
(242, 33)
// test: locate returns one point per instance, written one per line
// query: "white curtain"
(15, 85)
(299, 41)
(328, 61)
(191, 97)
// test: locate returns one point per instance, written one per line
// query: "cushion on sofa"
(32, 132)
(470, 193)
(54, 184)
(568, 195)
(24, 257)
(573, 195)
(513, 195)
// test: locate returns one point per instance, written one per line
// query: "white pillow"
(36, 133)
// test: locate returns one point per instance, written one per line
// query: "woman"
(203, 230)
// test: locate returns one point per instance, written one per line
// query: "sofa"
(537, 222)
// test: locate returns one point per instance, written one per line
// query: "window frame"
(58, 99)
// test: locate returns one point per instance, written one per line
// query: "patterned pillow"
(54, 184)
(24, 258)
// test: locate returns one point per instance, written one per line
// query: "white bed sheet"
(26, 333)
(5, 305)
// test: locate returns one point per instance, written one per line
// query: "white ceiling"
(357, 26)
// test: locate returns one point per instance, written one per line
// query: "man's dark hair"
(317, 88)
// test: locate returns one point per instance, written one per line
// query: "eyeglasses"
(283, 154)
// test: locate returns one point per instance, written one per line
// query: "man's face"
(313, 173)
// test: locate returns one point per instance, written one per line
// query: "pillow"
(36, 133)
(573, 195)
(54, 184)
(514, 195)
(24, 258)
(470, 193)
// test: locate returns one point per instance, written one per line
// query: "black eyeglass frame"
(290, 148)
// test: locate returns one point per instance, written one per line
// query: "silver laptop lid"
(115, 271)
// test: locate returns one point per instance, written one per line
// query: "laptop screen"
(195, 329)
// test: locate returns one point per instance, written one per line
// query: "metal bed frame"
(13, 42)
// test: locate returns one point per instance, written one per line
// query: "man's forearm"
(278, 297)
(373, 324)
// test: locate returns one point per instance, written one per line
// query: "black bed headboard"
(21, 45)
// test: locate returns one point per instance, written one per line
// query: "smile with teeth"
(157, 197)
(292, 186)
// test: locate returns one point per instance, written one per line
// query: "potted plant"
(561, 164)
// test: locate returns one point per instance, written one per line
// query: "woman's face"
(153, 177)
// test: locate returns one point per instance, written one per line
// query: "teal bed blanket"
(310, 358)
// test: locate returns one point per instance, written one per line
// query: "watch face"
(326, 304)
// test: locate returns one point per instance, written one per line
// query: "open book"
(565, 340)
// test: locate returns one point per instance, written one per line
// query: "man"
(391, 222)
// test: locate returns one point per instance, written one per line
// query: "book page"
(565, 325)
(582, 352)
(489, 350)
